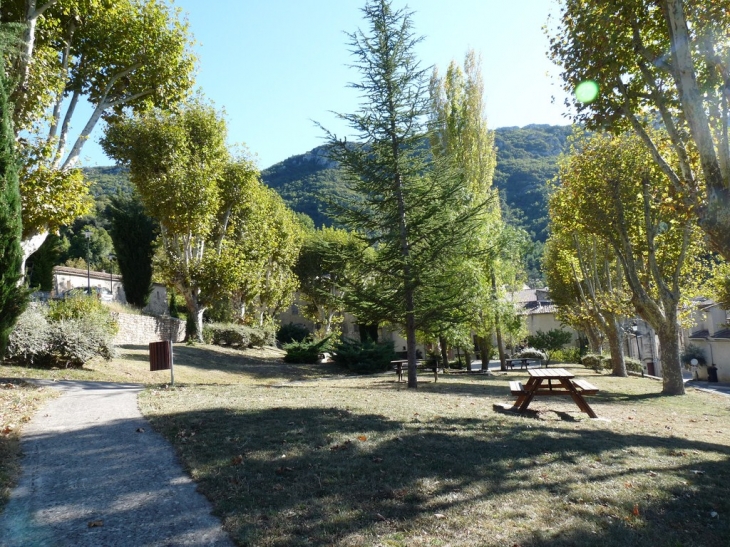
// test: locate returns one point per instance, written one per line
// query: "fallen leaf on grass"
(362, 438)
(237, 460)
(380, 517)
(635, 512)
(440, 516)
(696, 471)
(651, 473)
(95, 523)
(7, 430)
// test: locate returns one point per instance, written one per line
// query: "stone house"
(711, 332)
(65, 278)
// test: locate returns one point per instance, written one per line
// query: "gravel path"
(95, 474)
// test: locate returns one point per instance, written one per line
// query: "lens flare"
(586, 92)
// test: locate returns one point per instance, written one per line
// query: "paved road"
(90, 478)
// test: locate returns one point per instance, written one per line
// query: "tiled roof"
(724, 333)
(700, 334)
(526, 295)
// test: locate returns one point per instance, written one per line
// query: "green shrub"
(29, 340)
(230, 334)
(566, 355)
(593, 361)
(86, 308)
(633, 365)
(73, 342)
(364, 357)
(293, 332)
(263, 336)
(693, 352)
(532, 353)
(68, 334)
(306, 351)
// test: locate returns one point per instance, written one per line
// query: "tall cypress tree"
(13, 298)
(133, 234)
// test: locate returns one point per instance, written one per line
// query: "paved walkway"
(91, 477)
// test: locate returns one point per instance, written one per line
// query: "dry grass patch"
(299, 455)
(193, 365)
(18, 403)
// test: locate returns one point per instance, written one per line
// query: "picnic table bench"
(522, 361)
(547, 382)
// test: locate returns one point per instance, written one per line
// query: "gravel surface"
(94, 473)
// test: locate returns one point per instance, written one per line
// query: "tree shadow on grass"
(315, 476)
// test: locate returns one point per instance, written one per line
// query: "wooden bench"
(584, 386)
(516, 388)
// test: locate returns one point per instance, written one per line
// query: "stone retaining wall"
(143, 329)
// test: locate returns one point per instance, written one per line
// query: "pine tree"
(13, 298)
(412, 210)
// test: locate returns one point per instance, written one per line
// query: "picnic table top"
(550, 373)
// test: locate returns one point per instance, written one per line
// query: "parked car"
(102, 293)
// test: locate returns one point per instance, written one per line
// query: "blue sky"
(276, 66)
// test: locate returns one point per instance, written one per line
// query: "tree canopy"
(658, 62)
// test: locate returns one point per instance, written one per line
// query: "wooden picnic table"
(400, 364)
(556, 381)
(522, 362)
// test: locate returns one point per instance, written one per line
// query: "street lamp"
(87, 235)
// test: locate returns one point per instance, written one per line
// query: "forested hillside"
(526, 160)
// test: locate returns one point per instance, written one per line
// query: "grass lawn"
(304, 455)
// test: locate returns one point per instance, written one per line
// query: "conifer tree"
(410, 208)
(133, 233)
(13, 298)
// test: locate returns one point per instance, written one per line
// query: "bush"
(68, 333)
(693, 352)
(306, 351)
(364, 357)
(293, 332)
(229, 334)
(593, 361)
(531, 353)
(633, 365)
(29, 340)
(566, 355)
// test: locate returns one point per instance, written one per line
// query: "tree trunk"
(485, 349)
(593, 339)
(615, 343)
(444, 351)
(411, 341)
(29, 246)
(498, 330)
(195, 310)
(668, 335)
(467, 358)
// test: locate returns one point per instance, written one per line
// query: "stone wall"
(143, 329)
